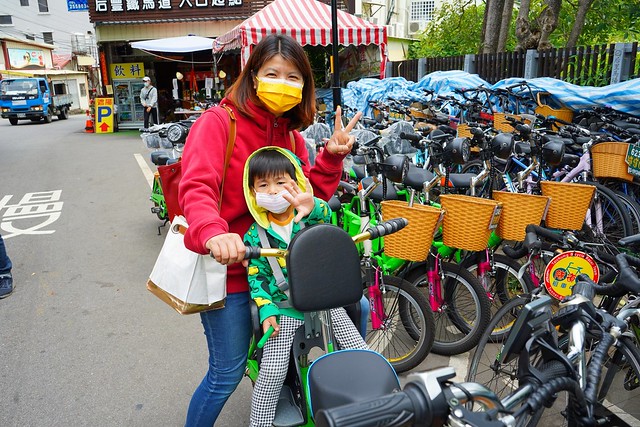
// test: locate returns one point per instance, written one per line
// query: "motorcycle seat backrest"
(323, 266)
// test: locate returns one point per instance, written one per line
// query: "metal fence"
(585, 65)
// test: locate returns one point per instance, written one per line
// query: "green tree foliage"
(457, 27)
(455, 30)
(610, 21)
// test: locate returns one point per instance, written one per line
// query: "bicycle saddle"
(461, 180)
(416, 177)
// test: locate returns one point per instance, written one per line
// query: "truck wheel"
(64, 114)
(48, 118)
(13, 121)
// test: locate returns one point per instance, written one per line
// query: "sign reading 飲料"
(127, 70)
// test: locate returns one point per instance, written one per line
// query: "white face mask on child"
(273, 202)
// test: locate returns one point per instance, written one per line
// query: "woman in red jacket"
(273, 98)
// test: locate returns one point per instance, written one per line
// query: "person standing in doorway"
(149, 100)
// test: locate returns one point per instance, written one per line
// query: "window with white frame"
(48, 37)
(43, 6)
(24, 2)
(6, 20)
(422, 10)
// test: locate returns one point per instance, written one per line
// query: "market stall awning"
(183, 44)
(307, 21)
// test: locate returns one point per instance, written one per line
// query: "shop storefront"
(119, 23)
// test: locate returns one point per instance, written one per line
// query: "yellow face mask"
(279, 95)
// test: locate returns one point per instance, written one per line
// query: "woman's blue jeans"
(228, 333)
(5, 262)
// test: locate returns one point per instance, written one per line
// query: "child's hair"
(268, 163)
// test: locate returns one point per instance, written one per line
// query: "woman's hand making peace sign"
(341, 142)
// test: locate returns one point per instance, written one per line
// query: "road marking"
(146, 171)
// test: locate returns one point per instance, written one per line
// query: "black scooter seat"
(349, 376)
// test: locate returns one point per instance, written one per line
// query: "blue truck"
(32, 99)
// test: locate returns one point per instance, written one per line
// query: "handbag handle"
(229, 152)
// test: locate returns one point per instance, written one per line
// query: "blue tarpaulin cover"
(623, 97)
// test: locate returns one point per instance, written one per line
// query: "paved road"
(82, 342)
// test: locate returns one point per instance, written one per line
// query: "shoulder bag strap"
(229, 152)
(293, 142)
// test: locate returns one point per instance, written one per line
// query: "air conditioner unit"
(391, 30)
(417, 26)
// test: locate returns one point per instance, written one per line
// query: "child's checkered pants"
(275, 361)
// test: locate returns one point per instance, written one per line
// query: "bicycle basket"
(464, 131)
(501, 123)
(608, 159)
(565, 114)
(569, 203)
(468, 221)
(518, 211)
(413, 242)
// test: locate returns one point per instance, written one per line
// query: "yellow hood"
(259, 213)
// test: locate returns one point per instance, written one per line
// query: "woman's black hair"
(268, 163)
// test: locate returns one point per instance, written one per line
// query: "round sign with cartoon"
(560, 274)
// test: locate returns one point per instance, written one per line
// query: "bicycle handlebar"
(382, 229)
(626, 281)
(410, 136)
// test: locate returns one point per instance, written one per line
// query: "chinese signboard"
(152, 10)
(77, 5)
(104, 115)
(26, 58)
(127, 70)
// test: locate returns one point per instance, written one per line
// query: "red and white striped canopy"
(307, 21)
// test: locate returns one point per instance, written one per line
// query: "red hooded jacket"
(202, 167)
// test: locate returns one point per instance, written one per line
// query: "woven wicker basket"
(609, 160)
(414, 241)
(463, 131)
(467, 220)
(565, 114)
(500, 121)
(569, 203)
(518, 211)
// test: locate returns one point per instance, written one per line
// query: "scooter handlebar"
(395, 409)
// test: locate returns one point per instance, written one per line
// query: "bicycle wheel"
(407, 332)
(633, 209)
(484, 368)
(464, 314)
(607, 217)
(501, 284)
(619, 391)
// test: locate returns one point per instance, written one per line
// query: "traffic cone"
(88, 127)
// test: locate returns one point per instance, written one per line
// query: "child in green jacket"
(279, 197)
